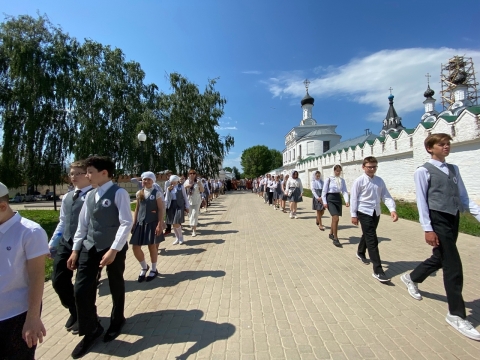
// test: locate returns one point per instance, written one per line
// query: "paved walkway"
(256, 285)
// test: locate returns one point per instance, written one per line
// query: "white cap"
(149, 175)
(3, 190)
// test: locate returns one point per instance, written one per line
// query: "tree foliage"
(62, 100)
(259, 159)
(236, 173)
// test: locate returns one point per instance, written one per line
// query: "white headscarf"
(174, 178)
(149, 175)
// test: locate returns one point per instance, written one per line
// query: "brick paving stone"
(255, 284)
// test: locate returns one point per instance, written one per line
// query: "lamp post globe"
(142, 137)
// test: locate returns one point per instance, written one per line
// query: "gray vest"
(180, 200)
(148, 210)
(104, 221)
(442, 193)
(72, 212)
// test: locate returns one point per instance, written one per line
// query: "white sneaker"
(180, 242)
(295, 216)
(291, 215)
(463, 326)
(176, 242)
(194, 233)
(411, 286)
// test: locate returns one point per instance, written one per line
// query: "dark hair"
(370, 159)
(5, 198)
(101, 163)
(317, 173)
(293, 173)
(337, 167)
(435, 139)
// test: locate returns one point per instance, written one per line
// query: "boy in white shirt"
(23, 247)
(367, 192)
(441, 197)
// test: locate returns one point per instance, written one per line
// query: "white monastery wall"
(399, 157)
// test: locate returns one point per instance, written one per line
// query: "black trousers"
(369, 239)
(86, 288)
(12, 345)
(62, 276)
(270, 197)
(445, 256)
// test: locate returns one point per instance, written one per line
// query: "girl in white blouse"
(194, 190)
(294, 190)
(317, 202)
(333, 186)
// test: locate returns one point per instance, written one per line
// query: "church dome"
(429, 92)
(307, 99)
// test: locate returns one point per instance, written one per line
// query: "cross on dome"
(390, 90)
(428, 76)
(306, 82)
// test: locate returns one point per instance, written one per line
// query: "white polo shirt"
(20, 240)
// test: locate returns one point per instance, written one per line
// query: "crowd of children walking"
(96, 221)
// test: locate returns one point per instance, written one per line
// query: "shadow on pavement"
(220, 223)
(395, 268)
(216, 232)
(184, 251)
(355, 240)
(163, 280)
(167, 327)
(202, 242)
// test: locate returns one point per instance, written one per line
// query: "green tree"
(228, 169)
(236, 173)
(188, 120)
(259, 159)
(37, 62)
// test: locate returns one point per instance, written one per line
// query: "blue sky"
(352, 51)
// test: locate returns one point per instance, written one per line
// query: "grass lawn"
(48, 220)
(408, 211)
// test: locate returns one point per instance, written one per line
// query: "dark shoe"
(75, 329)
(141, 278)
(167, 232)
(363, 259)
(336, 242)
(87, 342)
(331, 236)
(70, 322)
(317, 223)
(381, 277)
(152, 275)
(113, 332)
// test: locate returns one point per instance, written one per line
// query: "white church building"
(311, 146)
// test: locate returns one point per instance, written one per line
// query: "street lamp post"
(54, 168)
(142, 137)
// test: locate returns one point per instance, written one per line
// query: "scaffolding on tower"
(458, 71)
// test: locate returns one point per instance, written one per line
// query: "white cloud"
(252, 72)
(366, 80)
(228, 128)
(233, 161)
(262, 123)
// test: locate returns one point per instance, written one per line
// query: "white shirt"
(316, 184)
(122, 201)
(330, 186)
(271, 185)
(291, 182)
(422, 177)
(20, 240)
(61, 220)
(366, 194)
